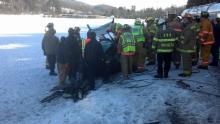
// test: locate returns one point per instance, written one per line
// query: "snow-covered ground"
(140, 100)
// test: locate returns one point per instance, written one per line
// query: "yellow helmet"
(150, 19)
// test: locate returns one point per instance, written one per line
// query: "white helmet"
(161, 21)
(179, 17)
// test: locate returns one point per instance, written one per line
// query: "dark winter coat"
(61, 52)
(50, 43)
(216, 29)
(73, 51)
(78, 37)
(94, 57)
(93, 52)
(188, 39)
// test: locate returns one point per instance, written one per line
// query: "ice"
(24, 82)
(12, 46)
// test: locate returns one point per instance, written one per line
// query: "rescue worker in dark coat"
(177, 27)
(73, 54)
(215, 46)
(94, 59)
(187, 45)
(49, 46)
(163, 44)
(62, 64)
(150, 32)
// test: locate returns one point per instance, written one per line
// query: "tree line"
(55, 7)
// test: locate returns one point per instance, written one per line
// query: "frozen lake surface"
(140, 100)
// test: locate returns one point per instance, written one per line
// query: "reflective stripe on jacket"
(151, 29)
(127, 43)
(164, 41)
(138, 33)
(187, 40)
(206, 33)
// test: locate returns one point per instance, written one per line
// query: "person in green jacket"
(126, 48)
(163, 44)
(138, 33)
(187, 45)
(150, 32)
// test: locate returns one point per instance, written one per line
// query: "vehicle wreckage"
(79, 88)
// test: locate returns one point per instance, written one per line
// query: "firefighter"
(149, 35)
(138, 33)
(126, 48)
(206, 39)
(163, 44)
(196, 27)
(215, 46)
(187, 45)
(177, 27)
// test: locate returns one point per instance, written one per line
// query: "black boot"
(52, 73)
(194, 63)
(151, 63)
(213, 64)
(158, 76)
(184, 75)
(177, 66)
(165, 75)
(202, 67)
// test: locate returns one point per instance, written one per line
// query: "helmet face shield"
(161, 21)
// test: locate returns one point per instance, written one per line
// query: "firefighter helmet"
(180, 18)
(126, 27)
(150, 19)
(204, 14)
(137, 21)
(161, 21)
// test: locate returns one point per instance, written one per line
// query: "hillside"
(50, 6)
(79, 9)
